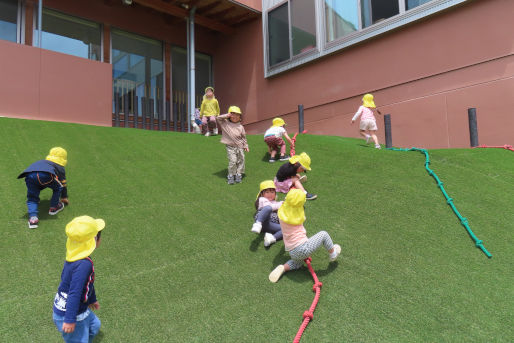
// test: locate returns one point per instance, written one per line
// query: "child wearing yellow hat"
(234, 137)
(296, 242)
(266, 217)
(47, 173)
(368, 124)
(209, 110)
(288, 175)
(273, 138)
(76, 296)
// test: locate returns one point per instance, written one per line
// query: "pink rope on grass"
(506, 146)
(309, 314)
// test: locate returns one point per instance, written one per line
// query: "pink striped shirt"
(367, 114)
(294, 235)
(265, 202)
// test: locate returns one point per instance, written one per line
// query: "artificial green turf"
(178, 262)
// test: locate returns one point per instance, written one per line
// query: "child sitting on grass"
(368, 124)
(76, 295)
(266, 217)
(273, 138)
(288, 175)
(47, 173)
(296, 242)
(234, 137)
(209, 110)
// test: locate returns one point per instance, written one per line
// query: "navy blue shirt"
(48, 167)
(76, 290)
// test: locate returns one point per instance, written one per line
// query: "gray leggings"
(305, 250)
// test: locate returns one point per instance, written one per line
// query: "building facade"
(425, 61)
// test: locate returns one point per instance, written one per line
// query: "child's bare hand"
(247, 149)
(65, 201)
(95, 306)
(68, 327)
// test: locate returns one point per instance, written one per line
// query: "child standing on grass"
(288, 175)
(47, 173)
(273, 138)
(300, 247)
(76, 295)
(209, 110)
(234, 137)
(266, 217)
(368, 124)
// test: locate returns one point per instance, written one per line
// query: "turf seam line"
(464, 221)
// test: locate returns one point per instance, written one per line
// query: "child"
(266, 216)
(273, 138)
(76, 295)
(196, 121)
(368, 124)
(47, 173)
(300, 247)
(234, 137)
(288, 175)
(209, 110)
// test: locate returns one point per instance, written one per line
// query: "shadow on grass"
(254, 245)
(99, 337)
(44, 206)
(222, 174)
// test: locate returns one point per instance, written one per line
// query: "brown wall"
(425, 75)
(41, 84)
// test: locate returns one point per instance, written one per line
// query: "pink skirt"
(283, 186)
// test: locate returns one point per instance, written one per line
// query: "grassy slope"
(178, 263)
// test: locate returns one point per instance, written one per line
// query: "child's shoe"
(284, 158)
(378, 147)
(215, 131)
(275, 275)
(257, 227)
(207, 134)
(368, 137)
(230, 179)
(337, 251)
(33, 222)
(239, 178)
(269, 239)
(310, 196)
(197, 128)
(54, 210)
(272, 160)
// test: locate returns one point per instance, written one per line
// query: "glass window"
(203, 75)
(410, 4)
(137, 71)
(342, 18)
(70, 35)
(278, 35)
(374, 11)
(8, 19)
(303, 26)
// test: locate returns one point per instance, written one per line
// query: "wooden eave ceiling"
(218, 15)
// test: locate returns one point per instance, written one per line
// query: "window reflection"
(342, 18)
(8, 19)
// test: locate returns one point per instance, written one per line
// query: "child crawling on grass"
(292, 216)
(266, 217)
(288, 175)
(273, 138)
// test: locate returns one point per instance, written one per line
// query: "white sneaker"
(368, 137)
(337, 251)
(207, 134)
(378, 147)
(197, 129)
(269, 239)
(275, 275)
(256, 227)
(215, 131)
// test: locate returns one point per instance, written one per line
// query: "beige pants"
(236, 160)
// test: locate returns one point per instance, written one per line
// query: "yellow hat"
(234, 109)
(367, 101)
(278, 122)
(266, 185)
(304, 160)
(291, 211)
(210, 87)
(58, 155)
(81, 232)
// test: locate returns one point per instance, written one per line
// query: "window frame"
(324, 47)
(292, 57)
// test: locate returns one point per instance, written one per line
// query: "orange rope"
(309, 314)
(506, 146)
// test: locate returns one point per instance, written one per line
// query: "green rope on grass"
(464, 221)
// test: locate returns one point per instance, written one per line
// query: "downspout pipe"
(39, 22)
(192, 66)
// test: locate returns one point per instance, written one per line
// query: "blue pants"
(36, 182)
(85, 330)
(268, 226)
